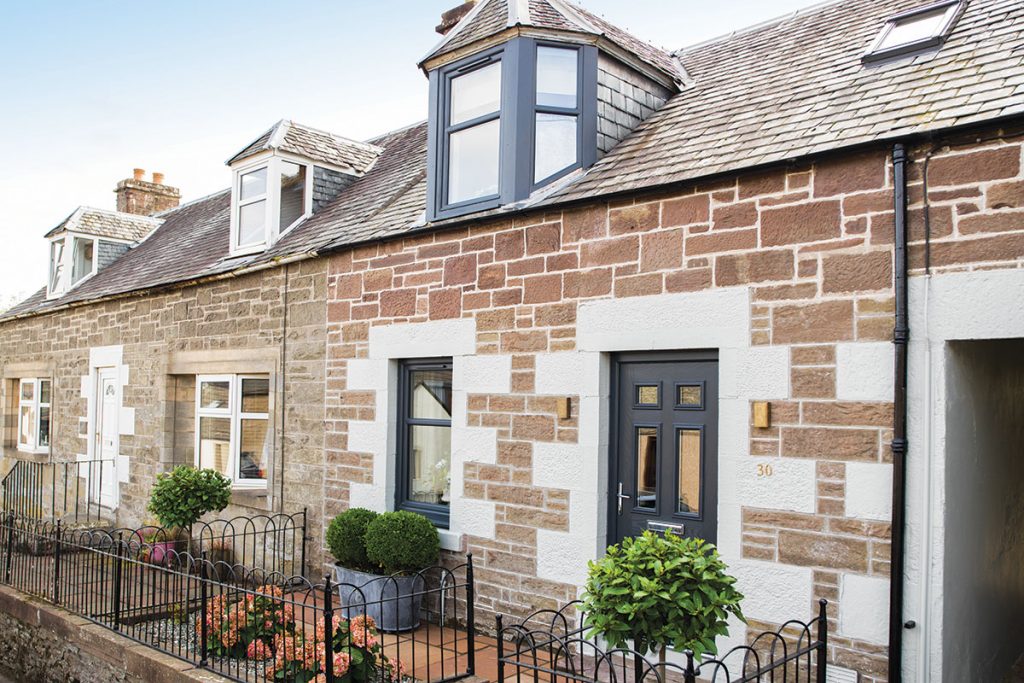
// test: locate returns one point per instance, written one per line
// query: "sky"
(91, 90)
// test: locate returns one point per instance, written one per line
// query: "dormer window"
(508, 121)
(270, 197)
(556, 127)
(915, 30)
(72, 261)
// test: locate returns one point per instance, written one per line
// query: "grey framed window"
(506, 121)
(557, 139)
(425, 438)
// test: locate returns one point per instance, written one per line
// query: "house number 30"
(765, 470)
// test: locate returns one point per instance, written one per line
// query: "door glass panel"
(430, 454)
(647, 395)
(689, 471)
(647, 467)
(215, 394)
(214, 443)
(690, 396)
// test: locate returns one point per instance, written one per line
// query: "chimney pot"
(454, 16)
(139, 173)
(158, 178)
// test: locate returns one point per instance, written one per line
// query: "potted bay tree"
(179, 498)
(660, 591)
(379, 560)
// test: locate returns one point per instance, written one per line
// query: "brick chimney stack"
(145, 198)
(454, 16)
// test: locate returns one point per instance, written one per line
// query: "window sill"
(450, 540)
(32, 456)
(257, 499)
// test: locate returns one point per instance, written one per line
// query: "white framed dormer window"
(270, 196)
(233, 427)
(34, 401)
(73, 259)
(915, 30)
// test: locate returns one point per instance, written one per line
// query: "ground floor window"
(425, 438)
(34, 396)
(233, 427)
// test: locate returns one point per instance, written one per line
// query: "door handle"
(621, 496)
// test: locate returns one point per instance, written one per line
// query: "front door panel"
(665, 465)
(104, 474)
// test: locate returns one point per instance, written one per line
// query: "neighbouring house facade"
(603, 288)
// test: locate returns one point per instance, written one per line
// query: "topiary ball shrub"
(661, 591)
(346, 538)
(402, 542)
(180, 497)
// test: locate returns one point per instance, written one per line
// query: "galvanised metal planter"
(392, 601)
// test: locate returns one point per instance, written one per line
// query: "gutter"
(166, 286)
(901, 337)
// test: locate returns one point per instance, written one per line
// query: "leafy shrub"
(346, 538)
(262, 627)
(247, 628)
(661, 591)
(181, 497)
(402, 541)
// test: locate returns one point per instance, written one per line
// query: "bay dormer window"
(508, 121)
(73, 259)
(270, 196)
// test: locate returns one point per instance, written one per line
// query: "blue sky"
(94, 89)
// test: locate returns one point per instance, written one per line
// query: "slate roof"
(493, 16)
(797, 86)
(782, 90)
(104, 223)
(310, 143)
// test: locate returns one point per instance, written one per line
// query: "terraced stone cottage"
(765, 290)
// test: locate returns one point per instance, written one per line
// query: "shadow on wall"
(984, 512)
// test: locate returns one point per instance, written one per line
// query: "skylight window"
(915, 30)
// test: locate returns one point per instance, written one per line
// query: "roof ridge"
(455, 30)
(190, 202)
(114, 212)
(810, 9)
(370, 147)
(389, 133)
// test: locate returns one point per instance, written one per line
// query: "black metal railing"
(555, 646)
(246, 623)
(74, 492)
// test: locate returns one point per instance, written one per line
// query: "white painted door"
(104, 475)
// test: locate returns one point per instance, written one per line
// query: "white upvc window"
(73, 259)
(270, 196)
(34, 400)
(233, 427)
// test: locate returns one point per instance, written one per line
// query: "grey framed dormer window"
(425, 438)
(915, 30)
(508, 121)
(557, 138)
(473, 132)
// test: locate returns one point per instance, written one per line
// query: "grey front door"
(665, 445)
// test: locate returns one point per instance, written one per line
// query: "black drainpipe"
(901, 336)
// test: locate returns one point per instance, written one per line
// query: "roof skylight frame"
(952, 9)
